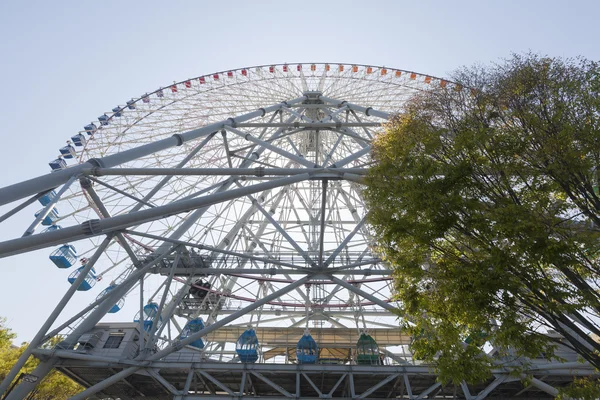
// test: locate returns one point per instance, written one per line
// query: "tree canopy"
(484, 199)
(55, 386)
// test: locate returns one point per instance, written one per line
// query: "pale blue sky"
(63, 63)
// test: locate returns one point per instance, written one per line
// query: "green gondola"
(367, 351)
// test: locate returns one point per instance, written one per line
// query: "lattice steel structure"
(236, 197)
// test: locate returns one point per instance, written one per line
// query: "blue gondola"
(79, 140)
(50, 218)
(117, 111)
(57, 164)
(103, 119)
(65, 256)
(47, 198)
(307, 350)
(131, 105)
(159, 93)
(118, 305)
(90, 129)
(193, 326)
(150, 310)
(247, 346)
(68, 151)
(52, 228)
(89, 281)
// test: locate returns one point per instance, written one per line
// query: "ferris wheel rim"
(249, 68)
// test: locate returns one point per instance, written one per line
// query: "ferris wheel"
(262, 240)
(228, 204)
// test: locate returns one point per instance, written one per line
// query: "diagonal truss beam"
(259, 171)
(217, 382)
(378, 385)
(272, 384)
(363, 294)
(97, 227)
(273, 148)
(49, 181)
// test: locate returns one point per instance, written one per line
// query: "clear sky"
(63, 63)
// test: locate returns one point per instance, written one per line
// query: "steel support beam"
(339, 381)
(166, 179)
(49, 207)
(97, 227)
(322, 224)
(351, 158)
(346, 240)
(368, 111)
(312, 384)
(216, 250)
(170, 388)
(273, 148)
(378, 385)
(408, 387)
(272, 384)
(279, 271)
(551, 390)
(308, 125)
(23, 205)
(363, 294)
(49, 181)
(483, 394)
(259, 171)
(429, 390)
(216, 382)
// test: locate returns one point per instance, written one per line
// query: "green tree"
(484, 198)
(55, 386)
